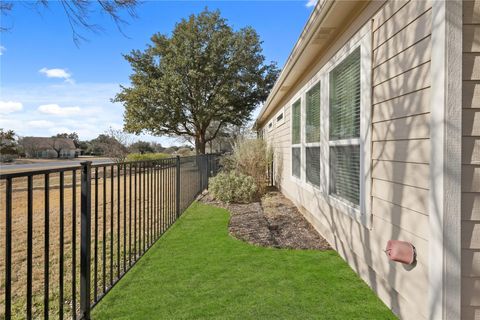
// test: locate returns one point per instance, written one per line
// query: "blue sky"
(50, 85)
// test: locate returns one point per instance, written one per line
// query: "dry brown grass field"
(146, 212)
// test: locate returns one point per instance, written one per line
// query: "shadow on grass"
(197, 271)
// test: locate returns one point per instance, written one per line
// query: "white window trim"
(361, 213)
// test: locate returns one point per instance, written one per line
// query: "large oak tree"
(192, 83)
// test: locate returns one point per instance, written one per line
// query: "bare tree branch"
(79, 14)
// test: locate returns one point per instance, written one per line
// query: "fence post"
(178, 187)
(200, 171)
(85, 236)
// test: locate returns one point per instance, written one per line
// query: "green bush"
(233, 187)
(147, 156)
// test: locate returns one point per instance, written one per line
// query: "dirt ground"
(272, 222)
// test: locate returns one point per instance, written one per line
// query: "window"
(279, 117)
(296, 139)
(312, 165)
(296, 160)
(344, 135)
(296, 114)
(345, 172)
(312, 115)
(330, 134)
(270, 125)
(312, 135)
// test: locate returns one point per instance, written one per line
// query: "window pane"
(280, 117)
(296, 122)
(345, 173)
(312, 119)
(312, 168)
(345, 98)
(296, 161)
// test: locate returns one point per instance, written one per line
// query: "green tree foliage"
(8, 143)
(201, 78)
(141, 147)
(111, 144)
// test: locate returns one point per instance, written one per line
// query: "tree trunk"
(200, 144)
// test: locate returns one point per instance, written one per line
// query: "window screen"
(345, 98)
(312, 165)
(296, 161)
(296, 122)
(312, 119)
(345, 172)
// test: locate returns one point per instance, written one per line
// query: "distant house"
(375, 125)
(49, 148)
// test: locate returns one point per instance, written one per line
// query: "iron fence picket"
(46, 247)
(61, 254)
(29, 245)
(95, 246)
(130, 215)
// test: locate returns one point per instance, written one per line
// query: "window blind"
(312, 165)
(345, 98)
(296, 161)
(312, 119)
(296, 114)
(345, 172)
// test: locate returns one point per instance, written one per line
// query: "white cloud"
(2, 50)
(57, 73)
(10, 106)
(40, 123)
(97, 112)
(56, 110)
(311, 3)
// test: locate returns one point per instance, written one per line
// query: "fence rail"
(61, 255)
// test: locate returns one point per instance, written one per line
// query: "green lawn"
(197, 271)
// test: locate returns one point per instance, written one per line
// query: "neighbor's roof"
(46, 143)
(326, 22)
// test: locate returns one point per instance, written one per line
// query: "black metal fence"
(70, 234)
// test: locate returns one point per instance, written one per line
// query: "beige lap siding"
(400, 157)
(471, 161)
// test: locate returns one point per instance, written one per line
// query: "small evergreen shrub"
(233, 187)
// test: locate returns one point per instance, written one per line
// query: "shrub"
(251, 157)
(184, 152)
(7, 157)
(233, 187)
(147, 156)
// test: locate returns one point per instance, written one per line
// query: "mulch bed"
(272, 222)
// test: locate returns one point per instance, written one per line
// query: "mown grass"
(197, 271)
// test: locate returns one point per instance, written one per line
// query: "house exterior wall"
(400, 156)
(471, 161)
